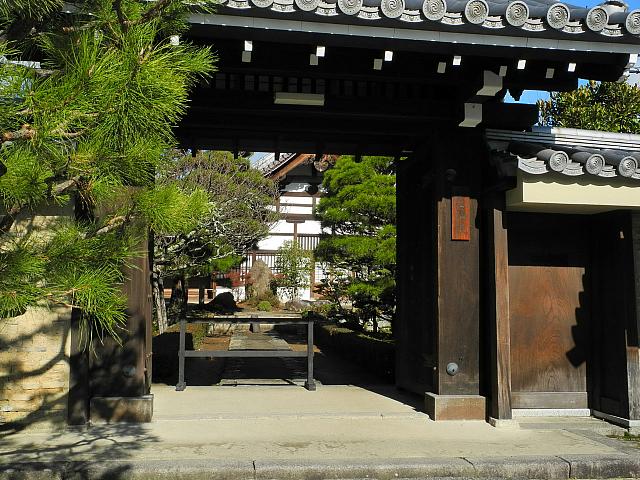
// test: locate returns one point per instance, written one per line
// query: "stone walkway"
(262, 371)
(270, 340)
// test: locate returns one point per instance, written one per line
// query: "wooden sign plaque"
(460, 218)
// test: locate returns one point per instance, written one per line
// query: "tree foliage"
(359, 209)
(88, 98)
(294, 265)
(240, 213)
(606, 106)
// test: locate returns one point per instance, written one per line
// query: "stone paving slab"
(547, 467)
(257, 341)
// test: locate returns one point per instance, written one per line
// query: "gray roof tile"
(610, 19)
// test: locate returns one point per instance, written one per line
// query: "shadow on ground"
(98, 452)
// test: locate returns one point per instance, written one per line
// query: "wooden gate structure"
(505, 300)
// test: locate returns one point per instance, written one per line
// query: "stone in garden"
(261, 278)
(223, 302)
(297, 305)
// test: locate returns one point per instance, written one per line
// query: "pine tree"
(88, 98)
(359, 209)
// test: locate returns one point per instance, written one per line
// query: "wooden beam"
(498, 313)
(119, 369)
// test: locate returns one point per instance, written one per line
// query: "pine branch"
(155, 11)
(7, 221)
(25, 133)
(113, 224)
(67, 135)
(117, 7)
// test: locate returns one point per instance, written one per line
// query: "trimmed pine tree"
(89, 92)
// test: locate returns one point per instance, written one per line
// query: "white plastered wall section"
(555, 193)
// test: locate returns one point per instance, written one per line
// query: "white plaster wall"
(548, 193)
(310, 227)
(282, 226)
(290, 209)
(274, 242)
(284, 200)
(296, 187)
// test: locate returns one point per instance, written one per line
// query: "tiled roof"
(567, 151)
(611, 19)
(270, 162)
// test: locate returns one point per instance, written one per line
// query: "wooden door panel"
(548, 317)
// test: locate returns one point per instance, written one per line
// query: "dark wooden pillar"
(414, 327)
(615, 372)
(119, 383)
(438, 316)
(458, 156)
(497, 304)
(78, 401)
(633, 329)
(457, 260)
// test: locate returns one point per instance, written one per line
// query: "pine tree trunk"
(158, 298)
(179, 296)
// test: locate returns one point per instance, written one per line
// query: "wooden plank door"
(549, 319)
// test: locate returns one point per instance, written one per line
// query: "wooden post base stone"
(455, 407)
(121, 409)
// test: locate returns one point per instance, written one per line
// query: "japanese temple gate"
(502, 304)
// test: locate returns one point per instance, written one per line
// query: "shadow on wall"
(34, 389)
(34, 369)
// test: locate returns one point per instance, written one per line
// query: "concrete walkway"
(335, 432)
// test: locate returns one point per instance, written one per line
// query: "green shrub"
(294, 265)
(268, 297)
(264, 306)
